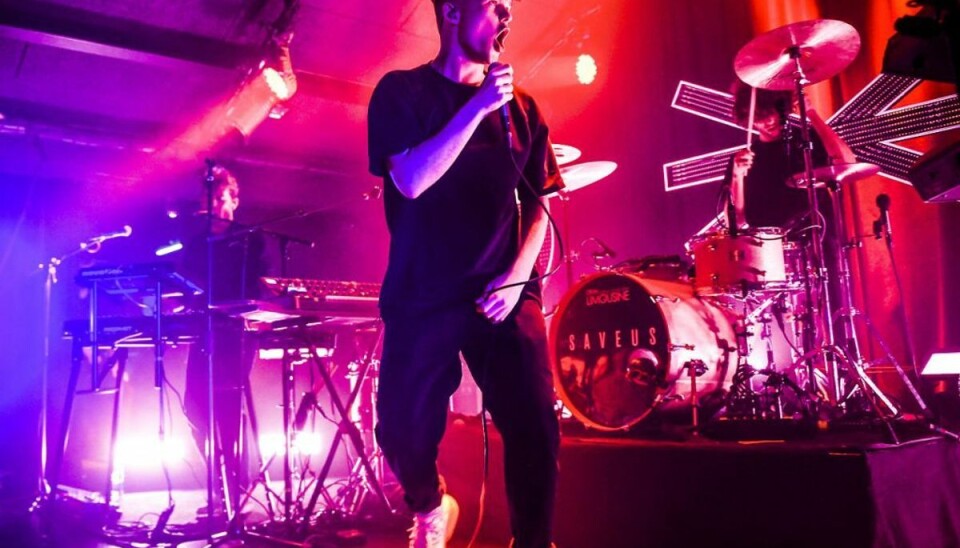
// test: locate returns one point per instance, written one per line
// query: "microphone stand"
(243, 230)
(210, 449)
(46, 489)
(887, 233)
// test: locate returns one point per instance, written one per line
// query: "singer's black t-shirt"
(769, 201)
(453, 239)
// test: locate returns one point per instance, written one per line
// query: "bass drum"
(619, 343)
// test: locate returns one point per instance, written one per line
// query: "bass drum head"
(613, 353)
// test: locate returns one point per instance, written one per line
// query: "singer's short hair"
(438, 10)
(768, 102)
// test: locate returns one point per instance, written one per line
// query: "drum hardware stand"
(848, 313)
(572, 255)
(818, 311)
(742, 394)
(695, 368)
(235, 528)
(346, 427)
(358, 487)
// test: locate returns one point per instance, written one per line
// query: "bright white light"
(145, 452)
(276, 82)
(271, 443)
(304, 443)
(172, 213)
(300, 353)
(942, 363)
(308, 443)
(586, 69)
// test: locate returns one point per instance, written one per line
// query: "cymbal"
(578, 176)
(566, 154)
(841, 173)
(825, 47)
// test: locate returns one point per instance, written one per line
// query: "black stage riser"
(632, 493)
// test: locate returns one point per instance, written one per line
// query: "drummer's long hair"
(768, 102)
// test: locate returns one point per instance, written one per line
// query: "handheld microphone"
(504, 112)
(505, 122)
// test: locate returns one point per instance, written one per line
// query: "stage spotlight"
(277, 84)
(586, 69)
(274, 83)
(277, 69)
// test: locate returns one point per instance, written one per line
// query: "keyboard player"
(238, 262)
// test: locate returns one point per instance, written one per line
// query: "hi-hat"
(566, 154)
(824, 47)
(841, 173)
(578, 176)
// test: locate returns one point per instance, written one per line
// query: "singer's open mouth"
(501, 37)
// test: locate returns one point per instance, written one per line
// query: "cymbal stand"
(818, 311)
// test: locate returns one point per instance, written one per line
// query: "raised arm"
(417, 169)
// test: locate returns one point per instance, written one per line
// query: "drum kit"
(752, 329)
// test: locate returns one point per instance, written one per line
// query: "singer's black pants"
(420, 369)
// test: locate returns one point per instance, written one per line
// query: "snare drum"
(751, 261)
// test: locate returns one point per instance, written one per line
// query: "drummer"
(757, 176)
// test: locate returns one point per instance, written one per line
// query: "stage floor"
(846, 489)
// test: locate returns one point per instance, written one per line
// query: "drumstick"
(753, 106)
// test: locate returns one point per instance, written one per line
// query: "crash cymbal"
(566, 154)
(825, 47)
(578, 176)
(841, 173)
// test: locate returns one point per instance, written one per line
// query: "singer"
(461, 266)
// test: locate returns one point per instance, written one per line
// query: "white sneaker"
(434, 528)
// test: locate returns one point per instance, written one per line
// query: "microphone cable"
(486, 361)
